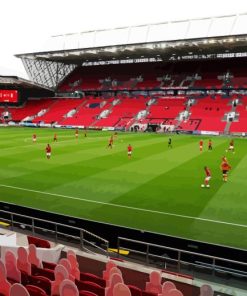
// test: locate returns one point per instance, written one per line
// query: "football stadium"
(123, 163)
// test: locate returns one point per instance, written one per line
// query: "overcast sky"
(25, 25)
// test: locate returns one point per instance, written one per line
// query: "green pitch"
(159, 189)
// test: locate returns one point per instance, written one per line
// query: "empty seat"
(135, 291)
(38, 242)
(91, 287)
(49, 265)
(43, 272)
(87, 293)
(18, 290)
(41, 282)
(92, 278)
(68, 288)
(35, 291)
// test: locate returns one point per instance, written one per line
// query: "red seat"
(90, 287)
(86, 293)
(41, 282)
(38, 242)
(49, 265)
(35, 291)
(12, 281)
(24, 278)
(144, 293)
(135, 291)
(92, 278)
(43, 272)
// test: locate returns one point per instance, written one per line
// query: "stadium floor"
(159, 189)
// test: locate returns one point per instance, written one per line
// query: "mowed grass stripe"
(63, 153)
(230, 199)
(58, 175)
(122, 206)
(163, 221)
(79, 167)
(90, 178)
(60, 165)
(191, 199)
(65, 168)
(177, 186)
(66, 143)
(126, 176)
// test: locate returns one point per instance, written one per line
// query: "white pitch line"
(125, 207)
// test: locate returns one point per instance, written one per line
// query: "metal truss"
(46, 73)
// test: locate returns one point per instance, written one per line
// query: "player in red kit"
(129, 149)
(225, 168)
(210, 145)
(207, 178)
(34, 138)
(110, 144)
(201, 145)
(48, 151)
(55, 138)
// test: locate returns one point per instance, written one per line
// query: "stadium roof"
(16, 82)
(205, 38)
(230, 25)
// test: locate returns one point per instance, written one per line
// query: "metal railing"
(171, 259)
(58, 231)
(185, 262)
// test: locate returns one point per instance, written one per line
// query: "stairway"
(179, 121)
(110, 109)
(77, 109)
(228, 124)
(147, 109)
(129, 124)
(227, 128)
(47, 109)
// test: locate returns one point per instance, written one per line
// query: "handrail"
(181, 250)
(55, 230)
(221, 268)
(210, 267)
(59, 224)
(182, 266)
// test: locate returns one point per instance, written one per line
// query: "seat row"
(25, 275)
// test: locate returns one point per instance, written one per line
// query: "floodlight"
(150, 46)
(112, 49)
(212, 41)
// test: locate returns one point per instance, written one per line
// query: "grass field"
(159, 189)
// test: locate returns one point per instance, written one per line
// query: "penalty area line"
(125, 207)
